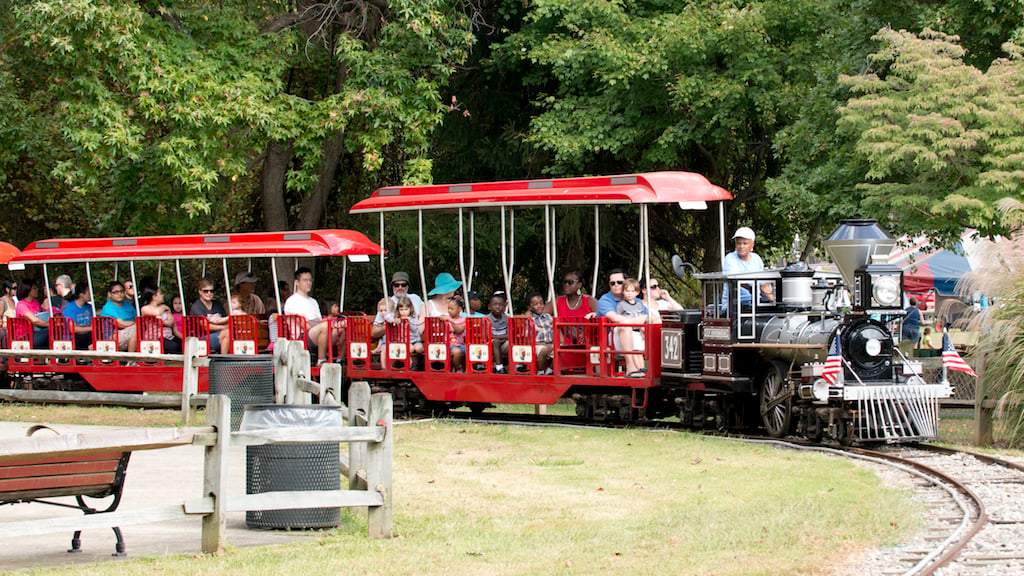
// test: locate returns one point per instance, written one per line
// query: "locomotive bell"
(853, 244)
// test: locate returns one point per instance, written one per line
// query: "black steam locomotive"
(801, 352)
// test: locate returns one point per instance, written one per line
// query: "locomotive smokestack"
(853, 244)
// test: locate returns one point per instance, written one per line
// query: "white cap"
(744, 232)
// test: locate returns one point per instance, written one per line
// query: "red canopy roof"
(253, 245)
(649, 188)
(7, 251)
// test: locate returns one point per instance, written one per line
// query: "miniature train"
(818, 358)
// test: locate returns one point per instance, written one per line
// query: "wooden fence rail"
(369, 468)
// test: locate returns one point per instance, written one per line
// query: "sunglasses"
(615, 282)
(568, 282)
(655, 286)
(206, 291)
(400, 284)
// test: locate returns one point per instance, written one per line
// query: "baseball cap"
(245, 278)
(744, 232)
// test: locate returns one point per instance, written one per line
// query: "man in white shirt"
(301, 304)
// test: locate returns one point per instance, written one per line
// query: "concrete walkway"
(154, 478)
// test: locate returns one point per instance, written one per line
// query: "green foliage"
(942, 140)
(150, 113)
(744, 93)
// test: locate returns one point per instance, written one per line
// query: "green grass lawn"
(475, 499)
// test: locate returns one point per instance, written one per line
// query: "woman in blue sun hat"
(445, 286)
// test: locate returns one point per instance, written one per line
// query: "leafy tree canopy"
(150, 114)
(942, 140)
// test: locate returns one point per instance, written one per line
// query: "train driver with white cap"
(743, 259)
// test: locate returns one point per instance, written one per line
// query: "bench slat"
(58, 459)
(97, 491)
(58, 469)
(73, 483)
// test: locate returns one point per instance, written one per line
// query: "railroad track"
(974, 524)
(979, 531)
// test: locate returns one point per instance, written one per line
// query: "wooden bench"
(39, 479)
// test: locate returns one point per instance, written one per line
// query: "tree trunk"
(313, 206)
(275, 168)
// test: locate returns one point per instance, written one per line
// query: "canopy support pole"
(423, 278)
(462, 263)
(135, 299)
(597, 248)
(383, 270)
(472, 253)
(181, 287)
(507, 255)
(46, 290)
(721, 233)
(344, 273)
(640, 244)
(550, 252)
(645, 246)
(277, 289)
(227, 286)
(92, 293)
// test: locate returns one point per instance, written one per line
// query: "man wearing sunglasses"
(622, 338)
(399, 288)
(123, 314)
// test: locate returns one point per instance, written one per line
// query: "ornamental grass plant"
(484, 500)
(1000, 350)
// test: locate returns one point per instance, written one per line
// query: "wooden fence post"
(358, 415)
(378, 469)
(982, 408)
(298, 365)
(215, 473)
(281, 373)
(330, 384)
(189, 377)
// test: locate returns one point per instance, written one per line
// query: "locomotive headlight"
(885, 290)
(873, 347)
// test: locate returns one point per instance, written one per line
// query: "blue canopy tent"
(940, 270)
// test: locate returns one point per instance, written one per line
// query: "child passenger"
(331, 309)
(177, 311)
(635, 310)
(385, 311)
(499, 331)
(407, 313)
(456, 332)
(542, 324)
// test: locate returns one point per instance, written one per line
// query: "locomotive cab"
(735, 309)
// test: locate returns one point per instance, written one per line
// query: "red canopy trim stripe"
(241, 245)
(647, 188)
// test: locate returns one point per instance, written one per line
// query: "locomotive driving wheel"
(776, 400)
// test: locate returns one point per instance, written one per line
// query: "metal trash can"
(243, 379)
(292, 467)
